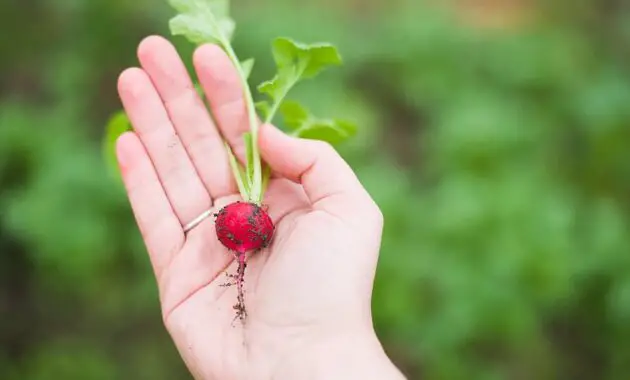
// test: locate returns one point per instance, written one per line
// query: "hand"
(308, 294)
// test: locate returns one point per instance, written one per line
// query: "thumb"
(328, 180)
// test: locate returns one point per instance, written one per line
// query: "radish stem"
(255, 192)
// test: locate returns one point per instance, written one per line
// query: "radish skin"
(243, 227)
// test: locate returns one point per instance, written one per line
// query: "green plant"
(209, 21)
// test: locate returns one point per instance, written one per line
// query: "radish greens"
(209, 21)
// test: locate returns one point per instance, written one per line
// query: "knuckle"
(380, 217)
(136, 182)
(181, 101)
(174, 177)
(376, 212)
(230, 105)
(323, 147)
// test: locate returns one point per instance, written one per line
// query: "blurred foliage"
(500, 158)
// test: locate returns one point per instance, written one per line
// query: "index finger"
(222, 85)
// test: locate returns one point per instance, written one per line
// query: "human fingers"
(149, 118)
(158, 224)
(328, 180)
(224, 92)
(191, 119)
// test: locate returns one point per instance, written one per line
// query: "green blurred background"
(495, 135)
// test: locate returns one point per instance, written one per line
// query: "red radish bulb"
(244, 227)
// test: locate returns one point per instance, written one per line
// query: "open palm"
(309, 291)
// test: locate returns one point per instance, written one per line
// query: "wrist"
(347, 355)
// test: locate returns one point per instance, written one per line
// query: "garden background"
(495, 135)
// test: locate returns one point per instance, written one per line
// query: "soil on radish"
(243, 228)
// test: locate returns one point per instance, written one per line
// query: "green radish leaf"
(249, 155)
(303, 124)
(309, 59)
(200, 91)
(295, 61)
(247, 66)
(295, 115)
(209, 21)
(203, 21)
(116, 126)
(266, 176)
(332, 131)
(263, 108)
(238, 172)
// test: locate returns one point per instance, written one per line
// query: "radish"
(244, 227)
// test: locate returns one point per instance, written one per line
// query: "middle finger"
(190, 117)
